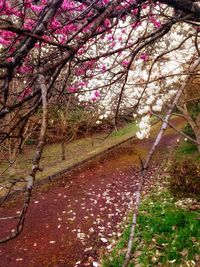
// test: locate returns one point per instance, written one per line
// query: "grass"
(76, 151)
(130, 128)
(167, 232)
(166, 235)
(187, 148)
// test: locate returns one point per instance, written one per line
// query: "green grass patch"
(76, 151)
(128, 129)
(166, 235)
(187, 148)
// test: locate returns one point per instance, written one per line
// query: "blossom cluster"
(153, 77)
(120, 69)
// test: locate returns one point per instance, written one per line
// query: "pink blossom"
(105, 2)
(104, 68)
(125, 62)
(144, 6)
(107, 23)
(67, 5)
(3, 41)
(144, 56)
(55, 24)
(93, 98)
(47, 38)
(110, 38)
(97, 93)
(63, 39)
(9, 59)
(37, 45)
(81, 84)
(6, 34)
(80, 51)
(135, 24)
(29, 24)
(25, 69)
(36, 8)
(79, 71)
(155, 22)
(135, 11)
(113, 44)
(123, 18)
(72, 89)
(80, 7)
(90, 64)
(70, 28)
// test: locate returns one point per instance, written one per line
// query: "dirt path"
(72, 218)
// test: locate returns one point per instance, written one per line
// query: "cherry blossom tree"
(117, 56)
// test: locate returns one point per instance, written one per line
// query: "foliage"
(165, 235)
(131, 127)
(184, 170)
(189, 131)
(186, 148)
(67, 123)
(185, 176)
(194, 110)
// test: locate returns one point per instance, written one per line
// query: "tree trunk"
(63, 157)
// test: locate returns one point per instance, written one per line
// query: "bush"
(187, 148)
(185, 175)
(188, 131)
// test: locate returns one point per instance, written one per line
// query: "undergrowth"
(184, 171)
(166, 235)
(51, 159)
(167, 231)
(187, 148)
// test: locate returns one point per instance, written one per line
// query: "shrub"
(187, 148)
(185, 175)
(188, 131)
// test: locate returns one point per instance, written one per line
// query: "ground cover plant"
(168, 228)
(166, 235)
(51, 159)
(184, 170)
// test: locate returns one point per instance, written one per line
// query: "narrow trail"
(71, 218)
